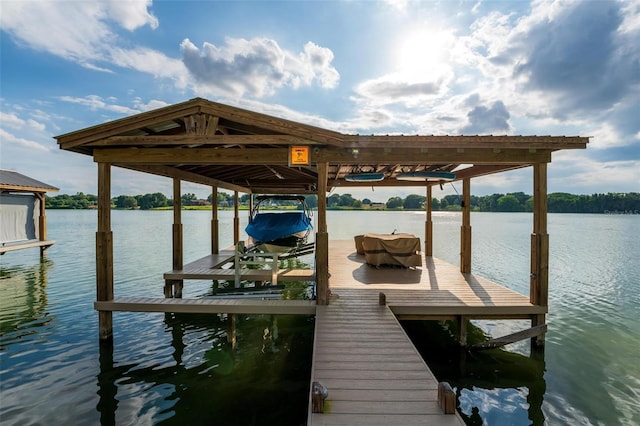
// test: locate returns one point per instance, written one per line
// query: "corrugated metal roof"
(15, 181)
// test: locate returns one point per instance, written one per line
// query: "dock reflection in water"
(24, 298)
(492, 386)
(234, 369)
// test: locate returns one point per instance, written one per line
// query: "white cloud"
(95, 102)
(151, 62)
(576, 172)
(9, 138)
(132, 14)
(11, 120)
(80, 31)
(257, 67)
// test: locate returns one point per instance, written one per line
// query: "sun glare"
(422, 53)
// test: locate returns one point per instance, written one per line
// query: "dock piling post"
(446, 398)
(318, 394)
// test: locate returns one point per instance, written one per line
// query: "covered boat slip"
(229, 148)
(23, 221)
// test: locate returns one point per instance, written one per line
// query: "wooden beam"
(190, 140)
(199, 156)
(461, 141)
(279, 156)
(512, 338)
(34, 189)
(173, 172)
(207, 306)
(19, 246)
(127, 124)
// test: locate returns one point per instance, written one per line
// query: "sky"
(370, 67)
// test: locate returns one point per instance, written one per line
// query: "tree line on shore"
(558, 202)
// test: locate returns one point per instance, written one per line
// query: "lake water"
(179, 369)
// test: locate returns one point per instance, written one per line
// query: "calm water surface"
(172, 369)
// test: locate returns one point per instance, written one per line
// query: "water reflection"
(492, 386)
(236, 369)
(24, 297)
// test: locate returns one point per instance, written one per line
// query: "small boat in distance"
(279, 232)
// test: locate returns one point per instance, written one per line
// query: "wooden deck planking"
(437, 288)
(210, 268)
(374, 374)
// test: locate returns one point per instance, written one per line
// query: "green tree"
(188, 199)
(312, 201)
(394, 203)
(509, 203)
(414, 201)
(346, 200)
(435, 204)
(125, 202)
(333, 200)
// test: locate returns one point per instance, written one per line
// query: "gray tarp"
(18, 218)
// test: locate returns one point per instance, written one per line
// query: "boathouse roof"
(219, 145)
(11, 181)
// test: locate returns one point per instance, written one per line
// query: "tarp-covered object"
(267, 227)
(392, 249)
(18, 218)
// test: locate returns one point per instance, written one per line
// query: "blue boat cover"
(267, 227)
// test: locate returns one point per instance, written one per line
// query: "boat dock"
(373, 373)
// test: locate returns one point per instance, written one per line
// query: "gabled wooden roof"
(11, 181)
(220, 145)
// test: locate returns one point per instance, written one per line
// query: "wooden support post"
(539, 277)
(215, 223)
(104, 251)
(42, 221)
(177, 238)
(462, 329)
(428, 226)
(465, 230)
(322, 238)
(236, 218)
(231, 330)
(446, 398)
(382, 299)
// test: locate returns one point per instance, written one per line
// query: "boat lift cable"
(459, 197)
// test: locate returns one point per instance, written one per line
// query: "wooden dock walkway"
(374, 374)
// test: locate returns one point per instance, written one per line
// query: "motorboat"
(281, 231)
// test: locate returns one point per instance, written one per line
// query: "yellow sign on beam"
(299, 156)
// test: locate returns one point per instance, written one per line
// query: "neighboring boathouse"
(23, 221)
(361, 354)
